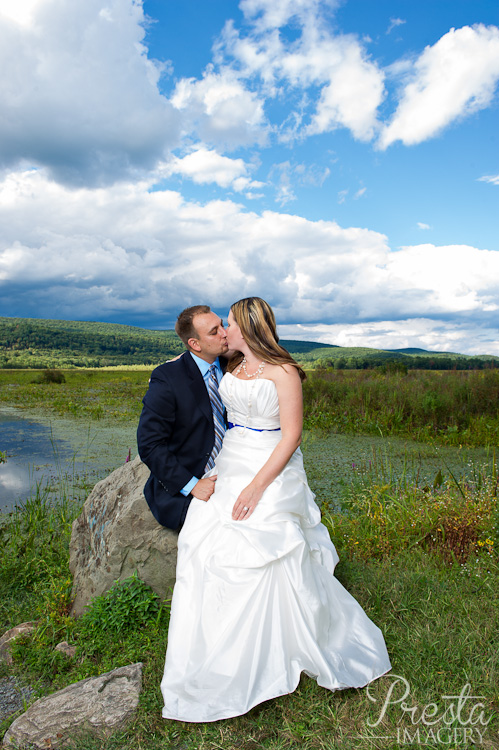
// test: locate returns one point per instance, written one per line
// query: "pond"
(46, 452)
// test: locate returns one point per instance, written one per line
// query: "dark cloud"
(79, 96)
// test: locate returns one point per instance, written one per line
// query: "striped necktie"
(218, 416)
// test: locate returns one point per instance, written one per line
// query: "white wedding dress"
(256, 602)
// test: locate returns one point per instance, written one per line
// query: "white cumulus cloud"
(453, 78)
(127, 250)
(352, 94)
(351, 85)
(204, 166)
(220, 109)
(78, 93)
(272, 14)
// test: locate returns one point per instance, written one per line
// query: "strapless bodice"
(251, 403)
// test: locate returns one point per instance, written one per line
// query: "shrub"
(129, 605)
(50, 376)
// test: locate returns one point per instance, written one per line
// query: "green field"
(450, 407)
(421, 558)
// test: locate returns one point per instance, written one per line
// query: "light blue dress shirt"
(204, 368)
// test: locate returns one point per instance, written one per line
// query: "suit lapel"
(198, 386)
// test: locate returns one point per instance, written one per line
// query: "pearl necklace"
(255, 374)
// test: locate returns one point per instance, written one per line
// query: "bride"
(256, 602)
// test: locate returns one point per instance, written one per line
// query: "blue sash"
(231, 425)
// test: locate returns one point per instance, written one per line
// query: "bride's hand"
(246, 503)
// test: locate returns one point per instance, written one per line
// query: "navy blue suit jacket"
(175, 436)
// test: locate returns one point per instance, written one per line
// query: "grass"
(435, 599)
(419, 555)
(34, 538)
(445, 407)
(89, 395)
(448, 407)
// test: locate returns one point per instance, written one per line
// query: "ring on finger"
(245, 508)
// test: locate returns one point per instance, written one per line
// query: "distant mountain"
(413, 350)
(304, 346)
(30, 343)
(429, 353)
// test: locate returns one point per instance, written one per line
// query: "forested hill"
(33, 343)
(28, 342)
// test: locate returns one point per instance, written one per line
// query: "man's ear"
(194, 344)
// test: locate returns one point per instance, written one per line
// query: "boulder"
(9, 637)
(100, 704)
(116, 535)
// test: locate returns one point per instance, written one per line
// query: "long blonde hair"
(256, 320)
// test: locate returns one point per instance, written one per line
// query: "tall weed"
(451, 407)
(34, 538)
(385, 512)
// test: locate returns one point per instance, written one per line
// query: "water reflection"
(30, 448)
(47, 452)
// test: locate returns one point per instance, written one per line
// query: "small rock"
(65, 648)
(8, 638)
(99, 703)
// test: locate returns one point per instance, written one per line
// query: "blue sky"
(340, 159)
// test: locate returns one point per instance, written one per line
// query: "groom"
(181, 424)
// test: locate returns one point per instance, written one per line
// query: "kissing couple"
(255, 602)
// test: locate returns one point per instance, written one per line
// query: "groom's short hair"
(184, 327)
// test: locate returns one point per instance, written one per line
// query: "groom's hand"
(204, 488)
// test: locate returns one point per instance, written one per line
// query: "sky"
(339, 158)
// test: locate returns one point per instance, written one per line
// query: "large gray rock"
(101, 704)
(116, 535)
